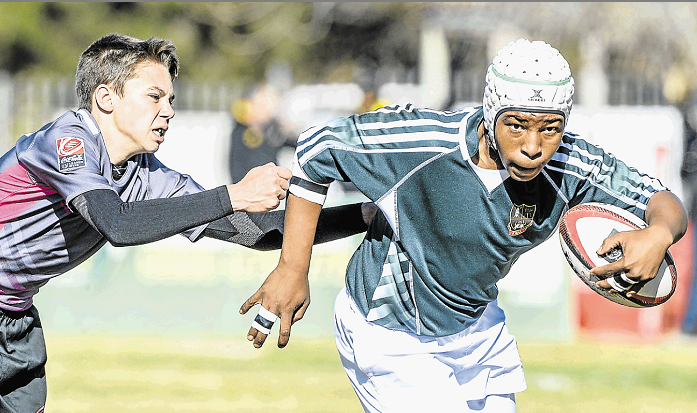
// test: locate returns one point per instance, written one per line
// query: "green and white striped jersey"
(448, 230)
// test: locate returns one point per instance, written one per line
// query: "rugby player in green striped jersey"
(461, 196)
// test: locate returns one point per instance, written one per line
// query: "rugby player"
(462, 194)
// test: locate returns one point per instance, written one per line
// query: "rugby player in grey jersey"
(91, 177)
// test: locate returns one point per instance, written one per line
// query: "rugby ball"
(583, 229)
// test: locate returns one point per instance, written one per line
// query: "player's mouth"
(524, 172)
(160, 132)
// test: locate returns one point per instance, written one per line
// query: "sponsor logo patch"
(521, 218)
(71, 153)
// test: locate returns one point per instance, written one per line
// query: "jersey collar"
(89, 121)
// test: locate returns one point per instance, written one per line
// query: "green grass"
(602, 378)
(98, 374)
(163, 374)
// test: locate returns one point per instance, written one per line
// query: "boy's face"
(142, 115)
(527, 141)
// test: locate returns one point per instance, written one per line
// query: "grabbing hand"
(262, 189)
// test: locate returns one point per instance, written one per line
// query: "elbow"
(116, 237)
(117, 241)
(683, 218)
(269, 242)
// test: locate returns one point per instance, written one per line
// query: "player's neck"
(117, 148)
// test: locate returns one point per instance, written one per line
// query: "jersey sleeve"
(65, 158)
(164, 182)
(374, 150)
(593, 175)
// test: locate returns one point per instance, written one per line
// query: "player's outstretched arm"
(643, 250)
(286, 291)
(263, 231)
(262, 189)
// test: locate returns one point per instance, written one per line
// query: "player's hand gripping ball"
(583, 229)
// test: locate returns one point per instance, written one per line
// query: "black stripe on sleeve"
(310, 186)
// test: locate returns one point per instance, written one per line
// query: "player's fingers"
(284, 173)
(604, 271)
(620, 282)
(251, 302)
(300, 313)
(605, 285)
(283, 337)
(613, 241)
(284, 330)
(252, 333)
(262, 324)
(284, 184)
(259, 340)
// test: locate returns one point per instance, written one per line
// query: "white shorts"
(478, 369)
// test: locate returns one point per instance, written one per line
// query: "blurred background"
(253, 76)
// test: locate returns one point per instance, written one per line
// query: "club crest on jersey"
(521, 218)
(71, 153)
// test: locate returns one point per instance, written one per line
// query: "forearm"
(264, 231)
(300, 227)
(260, 231)
(136, 223)
(667, 216)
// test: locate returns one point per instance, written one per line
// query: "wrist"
(238, 203)
(294, 266)
(662, 235)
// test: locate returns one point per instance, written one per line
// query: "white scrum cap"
(527, 76)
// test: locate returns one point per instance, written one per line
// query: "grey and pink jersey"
(40, 237)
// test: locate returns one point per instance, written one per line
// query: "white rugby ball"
(584, 228)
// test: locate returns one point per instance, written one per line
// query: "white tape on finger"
(627, 279)
(621, 282)
(615, 285)
(264, 321)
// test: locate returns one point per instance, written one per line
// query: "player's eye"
(155, 97)
(552, 129)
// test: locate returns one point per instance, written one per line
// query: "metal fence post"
(6, 103)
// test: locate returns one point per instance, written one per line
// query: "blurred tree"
(214, 40)
(333, 41)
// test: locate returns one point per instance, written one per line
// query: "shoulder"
(577, 146)
(66, 131)
(148, 161)
(408, 112)
(65, 144)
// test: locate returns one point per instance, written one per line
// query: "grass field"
(165, 374)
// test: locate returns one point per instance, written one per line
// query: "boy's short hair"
(112, 60)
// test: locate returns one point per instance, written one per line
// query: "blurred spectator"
(257, 134)
(371, 102)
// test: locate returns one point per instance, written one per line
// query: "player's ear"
(104, 98)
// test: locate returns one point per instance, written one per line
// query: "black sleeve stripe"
(310, 186)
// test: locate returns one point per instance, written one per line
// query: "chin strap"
(491, 144)
(489, 141)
